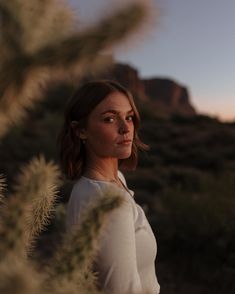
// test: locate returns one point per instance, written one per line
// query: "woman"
(99, 137)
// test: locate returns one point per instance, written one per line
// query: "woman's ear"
(82, 134)
(78, 131)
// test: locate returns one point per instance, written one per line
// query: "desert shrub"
(196, 235)
(188, 179)
(201, 221)
(203, 159)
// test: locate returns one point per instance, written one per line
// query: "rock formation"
(164, 95)
(169, 95)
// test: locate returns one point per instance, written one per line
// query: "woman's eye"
(130, 118)
(109, 119)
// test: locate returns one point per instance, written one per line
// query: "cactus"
(2, 189)
(19, 277)
(28, 208)
(39, 41)
(24, 216)
(32, 55)
(83, 239)
(73, 261)
(43, 179)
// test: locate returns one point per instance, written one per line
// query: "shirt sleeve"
(116, 261)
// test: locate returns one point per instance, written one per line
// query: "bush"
(200, 221)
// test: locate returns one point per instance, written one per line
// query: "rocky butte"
(164, 96)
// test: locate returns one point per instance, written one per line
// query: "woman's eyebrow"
(115, 111)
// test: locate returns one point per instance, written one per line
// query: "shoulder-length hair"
(83, 101)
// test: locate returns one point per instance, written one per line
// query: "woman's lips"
(125, 142)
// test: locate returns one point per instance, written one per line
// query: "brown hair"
(81, 104)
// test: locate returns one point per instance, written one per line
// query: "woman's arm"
(116, 261)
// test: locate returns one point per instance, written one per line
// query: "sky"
(193, 43)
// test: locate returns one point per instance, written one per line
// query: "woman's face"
(110, 128)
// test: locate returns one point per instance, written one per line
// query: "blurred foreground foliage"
(40, 43)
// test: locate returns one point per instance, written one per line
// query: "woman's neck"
(102, 169)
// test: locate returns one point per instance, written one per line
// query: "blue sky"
(193, 44)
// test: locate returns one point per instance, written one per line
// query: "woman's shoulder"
(86, 189)
(86, 185)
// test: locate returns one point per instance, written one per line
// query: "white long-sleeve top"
(125, 262)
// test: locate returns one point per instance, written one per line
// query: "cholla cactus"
(83, 239)
(19, 277)
(40, 183)
(27, 210)
(2, 189)
(39, 41)
(36, 181)
(73, 262)
(24, 215)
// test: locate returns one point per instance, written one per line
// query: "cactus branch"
(37, 180)
(81, 245)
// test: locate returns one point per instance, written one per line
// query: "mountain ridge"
(165, 95)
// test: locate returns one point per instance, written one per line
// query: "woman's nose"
(123, 128)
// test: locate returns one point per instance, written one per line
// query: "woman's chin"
(124, 155)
